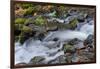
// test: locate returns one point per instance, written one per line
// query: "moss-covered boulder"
(24, 34)
(40, 21)
(68, 48)
(73, 23)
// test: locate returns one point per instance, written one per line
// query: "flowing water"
(31, 48)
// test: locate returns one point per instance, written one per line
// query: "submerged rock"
(89, 41)
(37, 60)
(74, 41)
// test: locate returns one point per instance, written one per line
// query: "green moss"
(26, 29)
(18, 26)
(68, 48)
(73, 23)
(37, 59)
(24, 35)
(26, 5)
(29, 20)
(29, 11)
(40, 21)
(20, 20)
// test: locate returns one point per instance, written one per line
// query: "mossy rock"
(37, 60)
(20, 20)
(29, 11)
(18, 26)
(68, 48)
(26, 29)
(73, 23)
(25, 5)
(29, 21)
(40, 21)
(26, 32)
(74, 41)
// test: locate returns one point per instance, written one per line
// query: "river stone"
(75, 59)
(73, 12)
(74, 41)
(81, 17)
(52, 28)
(89, 40)
(87, 54)
(69, 48)
(58, 60)
(37, 60)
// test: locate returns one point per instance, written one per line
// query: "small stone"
(74, 41)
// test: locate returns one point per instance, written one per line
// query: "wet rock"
(58, 60)
(29, 21)
(20, 64)
(74, 41)
(83, 59)
(55, 39)
(89, 18)
(17, 32)
(68, 57)
(73, 12)
(91, 22)
(89, 40)
(41, 36)
(69, 48)
(52, 28)
(68, 19)
(90, 56)
(75, 59)
(79, 45)
(73, 24)
(26, 33)
(86, 56)
(37, 60)
(81, 17)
